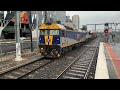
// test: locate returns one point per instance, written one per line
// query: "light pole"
(45, 21)
(116, 27)
(37, 37)
(95, 28)
(18, 49)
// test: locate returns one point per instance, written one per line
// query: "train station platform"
(108, 63)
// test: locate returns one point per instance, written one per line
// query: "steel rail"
(73, 62)
(32, 71)
(17, 67)
(86, 74)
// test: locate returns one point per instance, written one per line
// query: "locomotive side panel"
(69, 38)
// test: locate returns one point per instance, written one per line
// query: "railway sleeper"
(77, 71)
(74, 74)
(78, 68)
(69, 77)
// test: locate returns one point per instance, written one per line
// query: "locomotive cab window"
(43, 32)
(54, 32)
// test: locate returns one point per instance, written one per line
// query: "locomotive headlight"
(41, 48)
(57, 39)
(40, 38)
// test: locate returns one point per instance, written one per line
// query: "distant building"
(61, 16)
(76, 21)
(68, 19)
(68, 22)
(53, 16)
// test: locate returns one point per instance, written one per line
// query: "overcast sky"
(91, 17)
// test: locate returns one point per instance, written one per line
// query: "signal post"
(106, 30)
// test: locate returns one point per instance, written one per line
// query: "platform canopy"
(52, 26)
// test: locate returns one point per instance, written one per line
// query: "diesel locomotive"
(55, 39)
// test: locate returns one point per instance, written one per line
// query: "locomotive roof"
(52, 26)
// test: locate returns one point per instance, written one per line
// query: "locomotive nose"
(48, 39)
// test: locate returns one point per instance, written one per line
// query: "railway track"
(30, 68)
(80, 68)
(25, 70)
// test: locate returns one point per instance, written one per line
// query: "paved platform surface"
(101, 68)
(108, 63)
(113, 52)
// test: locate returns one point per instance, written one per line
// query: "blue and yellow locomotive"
(55, 39)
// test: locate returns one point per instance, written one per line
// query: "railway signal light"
(106, 32)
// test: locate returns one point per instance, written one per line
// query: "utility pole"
(18, 49)
(37, 20)
(45, 21)
(30, 28)
(116, 27)
(111, 28)
(95, 28)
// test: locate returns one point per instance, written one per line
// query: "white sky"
(92, 17)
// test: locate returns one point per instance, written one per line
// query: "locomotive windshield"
(54, 32)
(43, 32)
(49, 32)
